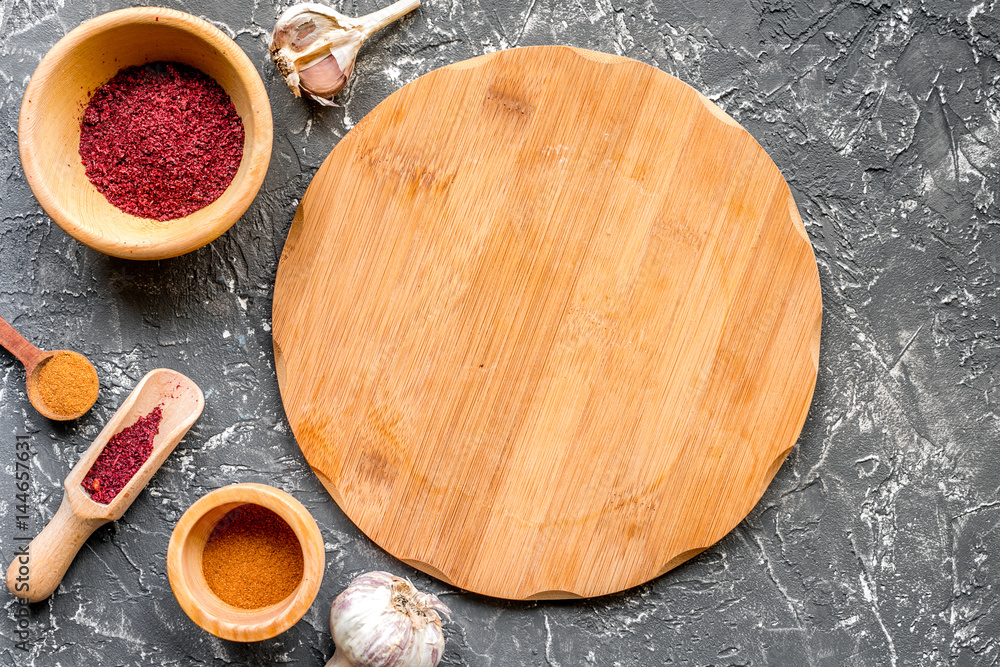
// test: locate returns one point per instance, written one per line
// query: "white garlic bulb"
(382, 620)
(314, 47)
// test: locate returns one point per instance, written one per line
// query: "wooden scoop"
(33, 360)
(38, 569)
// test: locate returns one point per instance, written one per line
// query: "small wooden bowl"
(184, 564)
(53, 107)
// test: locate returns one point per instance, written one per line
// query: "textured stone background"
(876, 544)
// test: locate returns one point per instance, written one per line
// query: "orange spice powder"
(67, 383)
(252, 558)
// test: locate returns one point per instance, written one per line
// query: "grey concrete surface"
(876, 544)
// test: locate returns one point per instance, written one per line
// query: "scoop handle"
(18, 345)
(37, 571)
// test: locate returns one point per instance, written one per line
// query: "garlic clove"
(323, 79)
(309, 36)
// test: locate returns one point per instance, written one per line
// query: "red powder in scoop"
(161, 140)
(122, 457)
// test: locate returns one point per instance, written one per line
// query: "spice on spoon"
(314, 47)
(161, 140)
(252, 558)
(122, 457)
(67, 383)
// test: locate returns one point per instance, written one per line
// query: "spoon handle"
(34, 575)
(18, 345)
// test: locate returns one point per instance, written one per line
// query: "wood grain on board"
(547, 323)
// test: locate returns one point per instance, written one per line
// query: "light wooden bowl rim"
(47, 193)
(224, 620)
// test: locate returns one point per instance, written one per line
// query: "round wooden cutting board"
(547, 323)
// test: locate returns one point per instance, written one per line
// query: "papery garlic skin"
(382, 620)
(314, 46)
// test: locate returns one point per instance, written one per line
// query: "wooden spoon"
(38, 568)
(33, 360)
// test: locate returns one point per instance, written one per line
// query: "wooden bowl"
(184, 564)
(53, 107)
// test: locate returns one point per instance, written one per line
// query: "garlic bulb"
(314, 47)
(381, 620)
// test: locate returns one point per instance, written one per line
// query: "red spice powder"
(122, 457)
(161, 140)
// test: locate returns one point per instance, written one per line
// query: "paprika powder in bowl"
(55, 107)
(245, 562)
